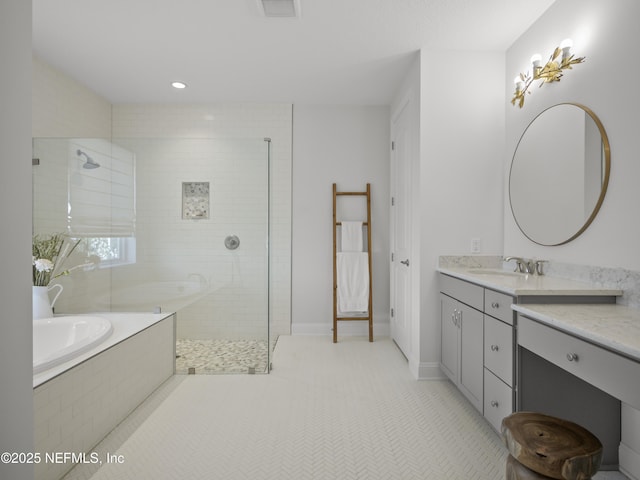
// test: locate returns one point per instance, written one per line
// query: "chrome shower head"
(90, 163)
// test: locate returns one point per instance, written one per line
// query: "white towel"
(353, 282)
(351, 236)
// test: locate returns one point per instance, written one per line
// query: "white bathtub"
(59, 339)
(144, 297)
(123, 327)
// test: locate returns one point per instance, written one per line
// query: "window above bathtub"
(107, 252)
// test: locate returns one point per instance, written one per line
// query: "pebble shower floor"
(221, 356)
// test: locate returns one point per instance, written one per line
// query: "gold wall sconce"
(550, 72)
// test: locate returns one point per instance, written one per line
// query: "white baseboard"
(629, 462)
(426, 371)
(346, 329)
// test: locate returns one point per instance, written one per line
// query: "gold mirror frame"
(606, 152)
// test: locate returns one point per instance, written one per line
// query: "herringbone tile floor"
(349, 410)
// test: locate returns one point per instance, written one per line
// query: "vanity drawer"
(610, 372)
(498, 305)
(498, 348)
(472, 295)
(498, 399)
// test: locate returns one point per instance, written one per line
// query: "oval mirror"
(559, 174)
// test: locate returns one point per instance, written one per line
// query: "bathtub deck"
(124, 326)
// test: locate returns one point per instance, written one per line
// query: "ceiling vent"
(279, 8)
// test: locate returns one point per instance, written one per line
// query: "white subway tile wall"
(168, 153)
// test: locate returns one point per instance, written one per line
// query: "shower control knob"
(232, 242)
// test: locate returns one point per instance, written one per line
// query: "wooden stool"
(549, 446)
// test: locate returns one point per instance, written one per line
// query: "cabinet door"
(449, 338)
(471, 354)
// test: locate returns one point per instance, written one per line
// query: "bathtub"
(78, 401)
(88, 338)
(144, 297)
(59, 339)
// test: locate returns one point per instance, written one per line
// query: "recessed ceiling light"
(179, 85)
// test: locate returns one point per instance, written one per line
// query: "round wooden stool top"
(551, 446)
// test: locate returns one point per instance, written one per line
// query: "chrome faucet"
(527, 266)
(520, 264)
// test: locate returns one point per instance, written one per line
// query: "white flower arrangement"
(49, 254)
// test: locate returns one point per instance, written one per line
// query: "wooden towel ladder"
(367, 225)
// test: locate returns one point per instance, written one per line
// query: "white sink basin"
(496, 272)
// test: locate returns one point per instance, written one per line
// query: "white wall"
(63, 107)
(349, 146)
(606, 33)
(461, 183)
(16, 394)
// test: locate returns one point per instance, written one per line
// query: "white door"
(401, 266)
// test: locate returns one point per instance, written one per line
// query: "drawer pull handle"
(494, 403)
(495, 304)
(495, 348)
(572, 357)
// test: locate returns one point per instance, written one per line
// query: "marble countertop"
(614, 327)
(520, 284)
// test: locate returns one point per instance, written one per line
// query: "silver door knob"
(405, 262)
(495, 348)
(494, 404)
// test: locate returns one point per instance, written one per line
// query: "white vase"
(42, 306)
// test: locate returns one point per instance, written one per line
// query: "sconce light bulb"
(535, 60)
(566, 43)
(519, 83)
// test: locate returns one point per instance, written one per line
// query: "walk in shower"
(167, 225)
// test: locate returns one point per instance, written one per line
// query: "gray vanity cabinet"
(477, 345)
(461, 338)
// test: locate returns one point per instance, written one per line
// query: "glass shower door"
(203, 249)
(172, 225)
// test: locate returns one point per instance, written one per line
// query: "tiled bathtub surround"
(78, 408)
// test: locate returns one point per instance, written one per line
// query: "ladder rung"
(353, 318)
(351, 193)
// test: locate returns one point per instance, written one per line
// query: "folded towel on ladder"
(351, 236)
(353, 282)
